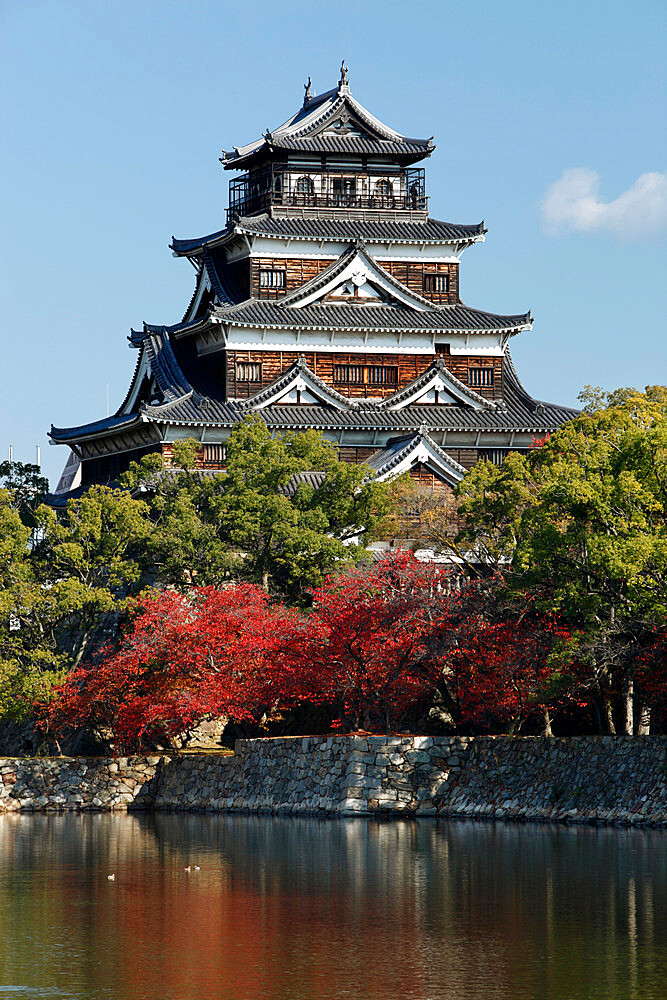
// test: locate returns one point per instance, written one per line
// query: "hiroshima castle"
(328, 300)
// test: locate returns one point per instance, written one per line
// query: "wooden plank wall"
(412, 273)
(427, 479)
(274, 363)
(299, 270)
(467, 457)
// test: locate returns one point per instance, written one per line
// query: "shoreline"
(588, 780)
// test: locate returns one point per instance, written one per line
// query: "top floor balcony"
(305, 188)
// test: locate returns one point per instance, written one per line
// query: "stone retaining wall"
(581, 779)
(90, 784)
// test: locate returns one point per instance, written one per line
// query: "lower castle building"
(329, 300)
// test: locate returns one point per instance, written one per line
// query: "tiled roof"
(319, 114)
(225, 288)
(95, 427)
(164, 365)
(345, 316)
(351, 144)
(390, 457)
(515, 417)
(339, 230)
(313, 479)
(202, 404)
(429, 231)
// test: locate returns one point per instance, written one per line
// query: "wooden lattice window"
(495, 455)
(214, 454)
(480, 378)
(436, 283)
(248, 371)
(366, 374)
(271, 278)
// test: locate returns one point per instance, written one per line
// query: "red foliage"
(378, 642)
(211, 652)
(502, 671)
(652, 670)
(368, 645)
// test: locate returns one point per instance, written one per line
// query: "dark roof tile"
(339, 230)
(332, 316)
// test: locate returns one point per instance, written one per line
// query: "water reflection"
(296, 909)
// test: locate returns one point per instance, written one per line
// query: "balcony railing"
(312, 188)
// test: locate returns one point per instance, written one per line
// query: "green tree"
(261, 519)
(582, 522)
(59, 584)
(26, 485)
(25, 672)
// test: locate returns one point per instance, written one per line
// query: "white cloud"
(573, 203)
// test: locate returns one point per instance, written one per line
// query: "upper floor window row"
(366, 374)
(327, 186)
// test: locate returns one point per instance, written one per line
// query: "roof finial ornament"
(309, 92)
(343, 82)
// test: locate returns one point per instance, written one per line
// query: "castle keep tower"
(329, 300)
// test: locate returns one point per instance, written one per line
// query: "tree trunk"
(548, 731)
(603, 711)
(644, 720)
(629, 705)
(608, 715)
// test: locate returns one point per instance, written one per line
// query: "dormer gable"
(418, 449)
(357, 276)
(437, 385)
(298, 386)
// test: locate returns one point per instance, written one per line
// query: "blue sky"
(115, 114)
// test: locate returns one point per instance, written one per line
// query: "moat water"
(294, 909)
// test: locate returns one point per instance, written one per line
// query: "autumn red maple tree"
(503, 670)
(378, 644)
(367, 648)
(183, 657)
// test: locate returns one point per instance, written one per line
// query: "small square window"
(436, 283)
(480, 378)
(271, 279)
(249, 371)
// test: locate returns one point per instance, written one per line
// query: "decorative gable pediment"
(355, 276)
(298, 386)
(344, 126)
(436, 386)
(357, 286)
(418, 450)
